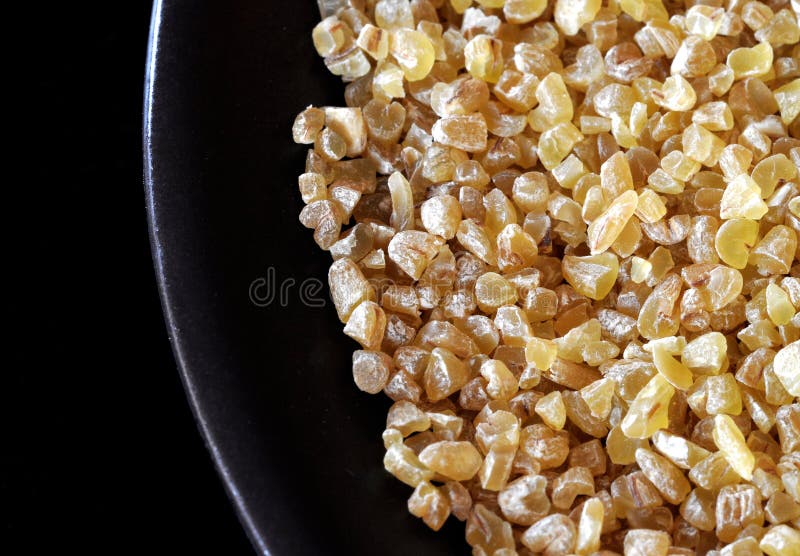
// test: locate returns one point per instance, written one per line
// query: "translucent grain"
(730, 440)
(649, 410)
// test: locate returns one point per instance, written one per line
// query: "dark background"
(100, 451)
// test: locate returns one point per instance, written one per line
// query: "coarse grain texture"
(565, 236)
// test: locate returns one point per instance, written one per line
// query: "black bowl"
(297, 446)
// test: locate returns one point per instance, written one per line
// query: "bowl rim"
(152, 186)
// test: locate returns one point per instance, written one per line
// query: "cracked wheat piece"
(467, 132)
(666, 477)
(348, 287)
(555, 535)
(734, 240)
(565, 238)
(590, 526)
(413, 51)
(371, 370)
(781, 540)
(458, 461)
(731, 443)
(737, 507)
(649, 410)
(680, 451)
(402, 462)
(444, 375)
(430, 504)
(646, 542)
(606, 228)
(674, 371)
(592, 276)
(366, 325)
(525, 501)
(412, 251)
(487, 532)
(552, 411)
(699, 509)
(786, 367)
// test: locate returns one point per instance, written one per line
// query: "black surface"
(299, 445)
(100, 453)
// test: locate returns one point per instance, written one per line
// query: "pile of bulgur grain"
(565, 235)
